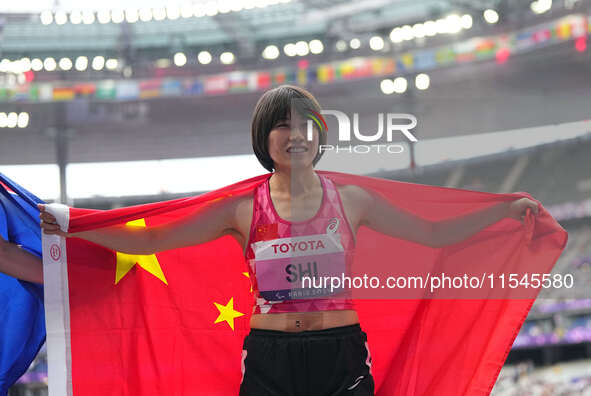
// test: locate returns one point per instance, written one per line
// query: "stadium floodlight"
(49, 64)
(249, 4)
(541, 6)
(545, 5)
(355, 43)
(418, 30)
(396, 35)
(88, 17)
(491, 16)
(271, 52)
(430, 28)
(422, 81)
(159, 13)
(145, 14)
(81, 63)
(227, 58)
(22, 120)
(103, 16)
(302, 48)
(61, 17)
(407, 33)
(173, 12)
(454, 23)
(387, 86)
(75, 17)
(442, 26)
(198, 10)
(65, 64)
(290, 49)
(98, 63)
(316, 46)
(14, 66)
(111, 64)
(25, 64)
(204, 57)
(180, 59)
(10, 66)
(400, 85)
(211, 8)
(467, 21)
(117, 16)
(12, 120)
(131, 15)
(46, 17)
(236, 5)
(187, 10)
(5, 64)
(224, 7)
(36, 64)
(341, 45)
(376, 43)
(3, 120)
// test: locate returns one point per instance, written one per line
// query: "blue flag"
(22, 320)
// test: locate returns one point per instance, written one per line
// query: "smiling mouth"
(297, 150)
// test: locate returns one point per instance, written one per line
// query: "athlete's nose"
(298, 133)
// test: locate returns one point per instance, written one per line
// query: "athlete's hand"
(49, 223)
(518, 208)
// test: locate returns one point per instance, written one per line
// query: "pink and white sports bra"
(287, 261)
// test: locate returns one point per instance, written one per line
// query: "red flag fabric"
(173, 323)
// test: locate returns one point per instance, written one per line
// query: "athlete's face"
(289, 145)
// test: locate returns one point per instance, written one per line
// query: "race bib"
(297, 267)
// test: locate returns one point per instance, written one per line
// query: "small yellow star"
(248, 276)
(125, 262)
(227, 313)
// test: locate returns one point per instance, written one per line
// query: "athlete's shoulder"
(354, 194)
(245, 199)
(240, 207)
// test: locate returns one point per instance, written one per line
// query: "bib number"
(295, 267)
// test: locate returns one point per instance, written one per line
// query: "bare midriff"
(301, 321)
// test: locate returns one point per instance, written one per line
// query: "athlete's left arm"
(380, 215)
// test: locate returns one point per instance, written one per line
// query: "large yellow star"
(125, 262)
(227, 313)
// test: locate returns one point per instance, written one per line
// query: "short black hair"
(274, 106)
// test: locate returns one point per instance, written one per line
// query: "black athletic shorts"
(330, 362)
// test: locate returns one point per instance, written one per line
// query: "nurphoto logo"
(390, 125)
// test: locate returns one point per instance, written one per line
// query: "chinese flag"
(173, 323)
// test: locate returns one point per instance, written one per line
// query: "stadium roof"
(241, 26)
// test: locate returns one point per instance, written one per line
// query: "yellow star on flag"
(125, 262)
(227, 313)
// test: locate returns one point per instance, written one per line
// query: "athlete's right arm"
(208, 223)
(19, 263)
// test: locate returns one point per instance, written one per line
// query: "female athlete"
(298, 344)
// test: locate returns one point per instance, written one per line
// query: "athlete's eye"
(282, 125)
